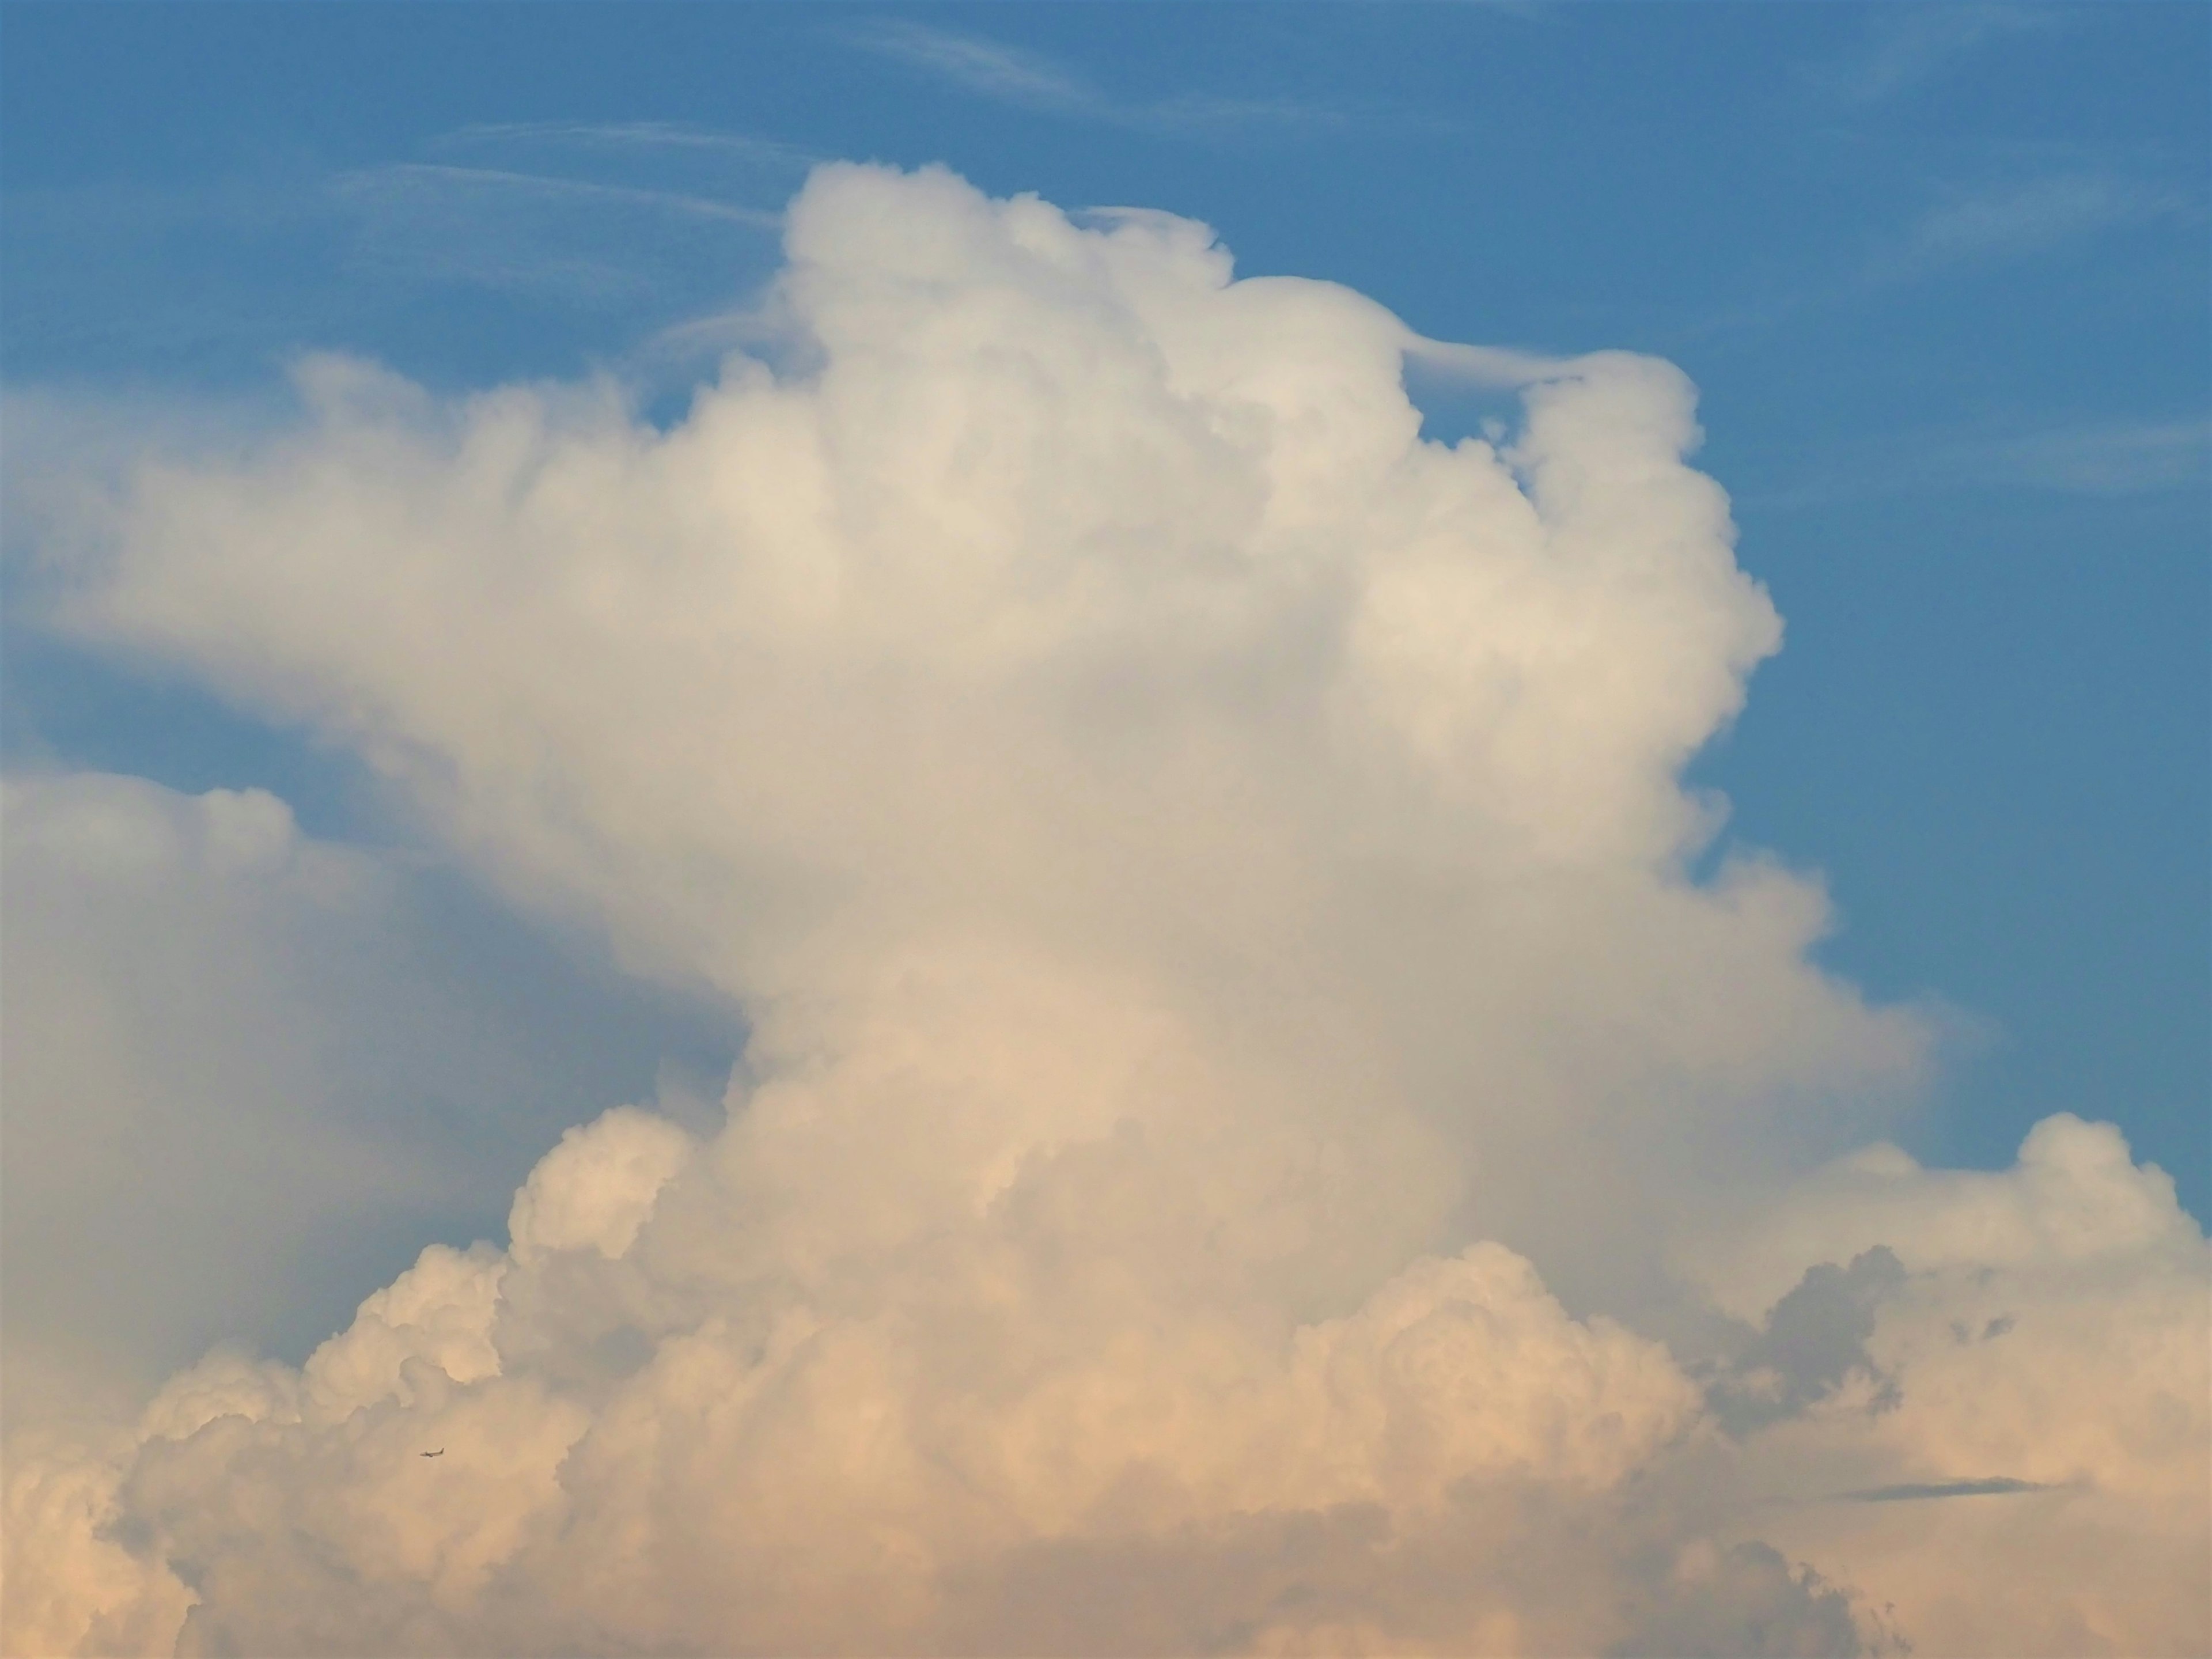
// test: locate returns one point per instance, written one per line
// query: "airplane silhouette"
(440, 1452)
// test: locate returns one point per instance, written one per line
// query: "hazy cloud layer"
(241, 1060)
(1239, 1067)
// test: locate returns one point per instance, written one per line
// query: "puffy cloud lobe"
(1193, 855)
(2076, 1197)
(2045, 1357)
(596, 1187)
(757, 1463)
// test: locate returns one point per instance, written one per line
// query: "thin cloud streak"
(1911, 46)
(2117, 458)
(1028, 80)
(628, 135)
(420, 176)
(595, 241)
(1972, 230)
(2127, 459)
(1915, 1491)
(2026, 218)
(986, 66)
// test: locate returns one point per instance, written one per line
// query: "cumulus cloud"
(2036, 1404)
(1239, 1065)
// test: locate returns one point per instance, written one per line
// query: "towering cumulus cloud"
(1241, 1079)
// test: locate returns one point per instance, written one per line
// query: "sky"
(1338, 793)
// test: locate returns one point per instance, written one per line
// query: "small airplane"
(440, 1452)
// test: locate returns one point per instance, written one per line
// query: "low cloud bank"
(1239, 1073)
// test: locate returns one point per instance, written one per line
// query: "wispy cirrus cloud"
(1907, 46)
(437, 181)
(596, 210)
(990, 67)
(2126, 457)
(2110, 457)
(2027, 217)
(1968, 230)
(1030, 80)
(636, 136)
(581, 238)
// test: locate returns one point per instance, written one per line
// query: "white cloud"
(1205, 870)
(2049, 1344)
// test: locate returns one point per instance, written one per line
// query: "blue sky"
(1939, 272)
(958, 829)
